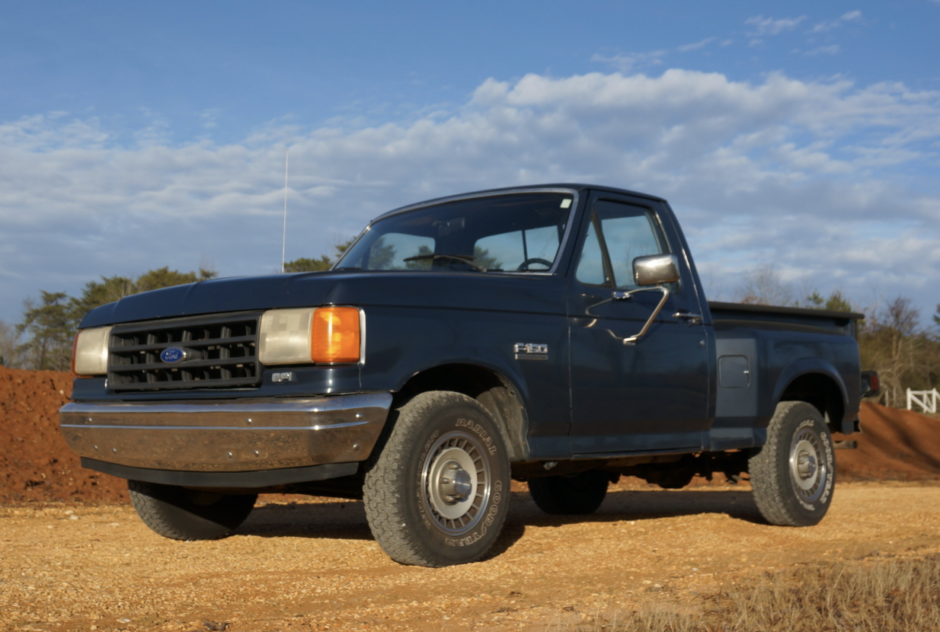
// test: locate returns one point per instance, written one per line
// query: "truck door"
(651, 395)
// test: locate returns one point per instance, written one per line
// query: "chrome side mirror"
(656, 269)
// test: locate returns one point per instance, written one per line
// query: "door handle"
(693, 319)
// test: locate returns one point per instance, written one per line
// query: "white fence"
(927, 400)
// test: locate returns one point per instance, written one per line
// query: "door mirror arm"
(651, 273)
(626, 296)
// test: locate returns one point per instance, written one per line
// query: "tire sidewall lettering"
(828, 455)
(476, 428)
(830, 466)
(480, 532)
(496, 498)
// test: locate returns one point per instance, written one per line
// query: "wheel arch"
(815, 382)
(495, 392)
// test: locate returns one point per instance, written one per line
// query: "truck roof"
(487, 192)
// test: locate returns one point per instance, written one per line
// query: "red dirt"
(894, 445)
(36, 464)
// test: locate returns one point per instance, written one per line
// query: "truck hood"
(453, 290)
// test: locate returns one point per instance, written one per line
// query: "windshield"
(503, 233)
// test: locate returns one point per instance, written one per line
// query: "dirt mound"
(35, 462)
(36, 465)
(893, 445)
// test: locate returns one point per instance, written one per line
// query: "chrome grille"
(221, 352)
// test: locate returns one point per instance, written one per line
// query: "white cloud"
(833, 49)
(851, 16)
(210, 117)
(827, 179)
(697, 45)
(631, 62)
(772, 26)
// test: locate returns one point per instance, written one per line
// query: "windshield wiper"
(435, 256)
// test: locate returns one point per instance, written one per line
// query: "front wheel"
(438, 492)
(187, 514)
(794, 473)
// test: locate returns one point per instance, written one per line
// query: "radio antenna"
(284, 238)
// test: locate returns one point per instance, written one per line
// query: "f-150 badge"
(530, 351)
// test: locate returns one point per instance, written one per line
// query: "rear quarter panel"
(777, 356)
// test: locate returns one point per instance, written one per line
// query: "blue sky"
(133, 136)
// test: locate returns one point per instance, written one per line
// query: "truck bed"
(732, 315)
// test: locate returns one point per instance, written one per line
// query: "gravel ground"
(312, 564)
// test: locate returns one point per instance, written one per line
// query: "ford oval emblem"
(172, 355)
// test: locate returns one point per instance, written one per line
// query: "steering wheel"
(524, 266)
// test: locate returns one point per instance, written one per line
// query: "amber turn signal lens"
(336, 335)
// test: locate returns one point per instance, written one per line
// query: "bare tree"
(904, 355)
(891, 339)
(9, 341)
(49, 330)
(763, 286)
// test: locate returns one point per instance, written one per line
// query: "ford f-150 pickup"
(555, 334)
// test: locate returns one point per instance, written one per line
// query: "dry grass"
(870, 596)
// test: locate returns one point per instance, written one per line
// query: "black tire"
(186, 514)
(793, 475)
(578, 495)
(438, 492)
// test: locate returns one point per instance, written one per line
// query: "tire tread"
(156, 510)
(384, 507)
(770, 487)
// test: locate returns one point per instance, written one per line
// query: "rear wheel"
(187, 514)
(793, 475)
(580, 494)
(438, 492)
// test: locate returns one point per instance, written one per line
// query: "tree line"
(42, 340)
(891, 338)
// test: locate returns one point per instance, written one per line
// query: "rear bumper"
(222, 436)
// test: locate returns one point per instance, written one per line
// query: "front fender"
(404, 342)
(490, 362)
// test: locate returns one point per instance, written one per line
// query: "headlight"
(322, 335)
(90, 351)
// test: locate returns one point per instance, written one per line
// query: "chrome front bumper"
(221, 436)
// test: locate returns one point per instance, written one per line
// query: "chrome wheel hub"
(806, 464)
(456, 483)
(808, 469)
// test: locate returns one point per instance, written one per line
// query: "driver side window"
(530, 249)
(618, 234)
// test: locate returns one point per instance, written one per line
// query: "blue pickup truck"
(555, 334)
